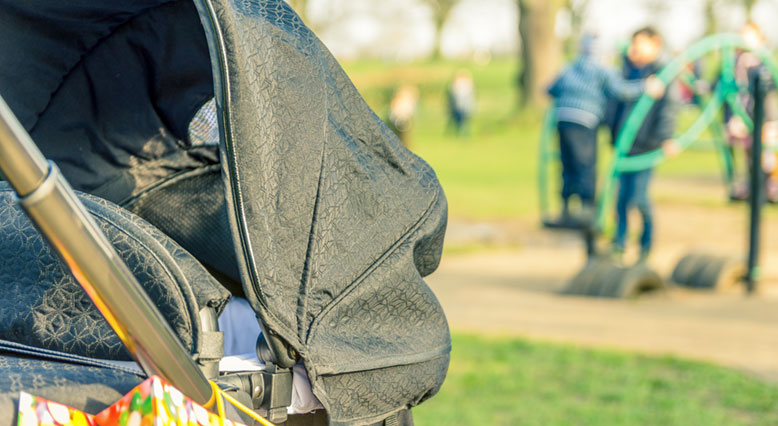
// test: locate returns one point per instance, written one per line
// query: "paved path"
(515, 292)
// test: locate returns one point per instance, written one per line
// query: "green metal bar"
(626, 137)
(739, 110)
(725, 153)
(650, 159)
(545, 157)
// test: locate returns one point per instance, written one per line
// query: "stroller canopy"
(332, 221)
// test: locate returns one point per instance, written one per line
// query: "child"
(461, 101)
(643, 59)
(580, 94)
(747, 66)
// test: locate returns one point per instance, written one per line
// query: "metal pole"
(756, 185)
(52, 205)
(590, 241)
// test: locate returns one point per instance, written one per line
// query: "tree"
(749, 6)
(711, 7)
(577, 10)
(541, 50)
(711, 21)
(440, 11)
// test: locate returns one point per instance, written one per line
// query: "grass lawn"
(492, 173)
(501, 381)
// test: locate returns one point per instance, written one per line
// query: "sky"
(403, 29)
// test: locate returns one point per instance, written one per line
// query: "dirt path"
(515, 291)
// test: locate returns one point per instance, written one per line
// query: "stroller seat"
(50, 311)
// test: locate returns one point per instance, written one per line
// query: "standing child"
(461, 101)
(642, 60)
(402, 110)
(580, 94)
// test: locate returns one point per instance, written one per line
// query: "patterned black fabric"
(337, 222)
(334, 223)
(51, 311)
(90, 389)
(106, 87)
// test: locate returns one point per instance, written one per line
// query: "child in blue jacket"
(581, 96)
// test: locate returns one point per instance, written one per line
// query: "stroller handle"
(57, 212)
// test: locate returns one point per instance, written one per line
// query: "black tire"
(707, 273)
(609, 285)
(687, 268)
(637, 281)
(582, 279)
(587, 278)
(720, 273)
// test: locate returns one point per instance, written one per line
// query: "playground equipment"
(707, 271)
(699, 270)
(603, 278)
(592, 279)
(725, 93)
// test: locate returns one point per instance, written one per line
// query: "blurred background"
(463, 83)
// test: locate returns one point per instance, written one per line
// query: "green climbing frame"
(725, 93)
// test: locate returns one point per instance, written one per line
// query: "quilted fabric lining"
(51, 310)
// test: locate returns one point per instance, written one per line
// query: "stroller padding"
(88, 388)
(50, 309)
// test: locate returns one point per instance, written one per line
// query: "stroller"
(223, 153)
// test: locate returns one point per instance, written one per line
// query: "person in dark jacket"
(580, 95)
(641, 61)
(747, 67)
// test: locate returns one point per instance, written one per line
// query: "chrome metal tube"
(28, 167)
(54, 208)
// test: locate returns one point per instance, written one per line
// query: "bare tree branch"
(440, 11)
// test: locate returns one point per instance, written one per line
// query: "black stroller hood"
(334, 222)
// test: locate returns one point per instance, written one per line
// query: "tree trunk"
(711, 22)
(577, 10)
(439, 22)
(541, 51)
(440, 11)
(749, 6)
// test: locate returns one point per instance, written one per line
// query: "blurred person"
(402, 110)
(461, 101)
(580, 95)
(643, 59)
(747, 66)
(691, 83)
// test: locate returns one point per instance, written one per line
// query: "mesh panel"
(204, 127)
(191, 209)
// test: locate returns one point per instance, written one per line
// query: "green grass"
(501, 381)
(492, 173)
